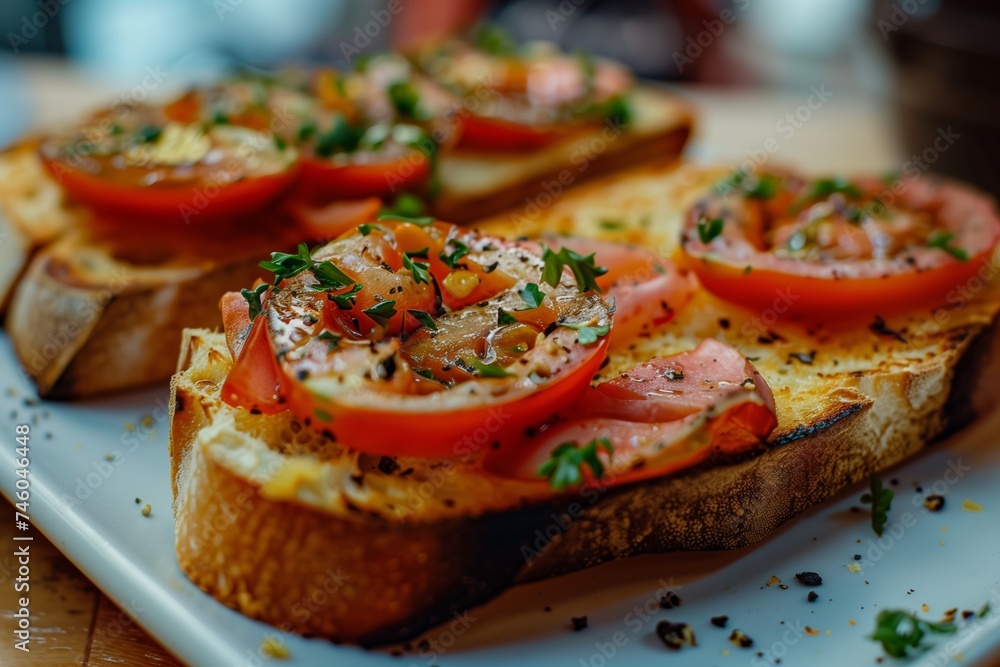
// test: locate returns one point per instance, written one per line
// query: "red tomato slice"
(153, 169)
(840, 256)
(255, 381)
(325, 180)
(358, 363)
(663, 431)
(334, 219)
(483, 133)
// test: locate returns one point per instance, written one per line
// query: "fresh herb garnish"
(407, 204)
(284, 265)
(505, 318)
(709, 228)
(418, 269)
(306, 130)
(280, 143)
(333, 339)
(942, 240)
(611, 225)
(341, 138)
(899, 631)
(406, 100)
(253, 298)
(825, 187)
(425, 319)
(330, 277)
(346, 300)
(764, 186)
(532, 295)
(460, 251)
(983, 611)
(365, 228)
(382, 312)
(419, 221)
(150, 133)
(494, 39)
(618, 111)
(587, 334)
(564, 468)
(583, 267)
(880, 499)
(490, 370)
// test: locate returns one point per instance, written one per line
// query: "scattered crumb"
(944, 529)
(853, 567)
(949, 615)
(146, 509)
(725, 651)
(811, 632)
(720, 621)
(740, 638)
(809, 579)
(852, 622)
(934, 503)
(274, 648)
(968, 613)
(109, 457)
(783, 587)
(129, 426)
(941, 544)
(773, 580)
(829, 631)
(670, 600)
(579, 623)
(971, 506)
(675, 635)
(812, 597)
(138, 500)
(147, 422)
(924, 608)
(857, 556)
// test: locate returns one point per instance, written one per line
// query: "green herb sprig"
(881, 500)
(564, 468)
(901, 632)
(583, 267)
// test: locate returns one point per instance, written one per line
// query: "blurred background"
(844, 84)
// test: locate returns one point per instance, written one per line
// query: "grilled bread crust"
(268, 512)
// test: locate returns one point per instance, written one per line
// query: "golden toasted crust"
(850, 401)
(32, 213)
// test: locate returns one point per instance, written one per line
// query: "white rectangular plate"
(90, 460)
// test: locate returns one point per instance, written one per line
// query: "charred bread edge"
(405, 579)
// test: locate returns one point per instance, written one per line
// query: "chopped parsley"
(564, 468)
(942, 240)
(583, 267)
(425, 319)
(505, 318)
(382, 312)
(881, 500)
(330, 277)
(532, 295)
(419, 221)
(900, 631)
(418, 269)
(284, 265)
(366, 229)
(763, 187)
(490, 370)
(346, 300)
(611, 225)
(253, 298)
(341, 138)
(333, 339)
(709, 229)
(406, 100)
(587, 334)
(451, 259)
(150, 133)
(824, 187)
(618, 111)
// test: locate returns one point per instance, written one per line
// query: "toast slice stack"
(268, 511)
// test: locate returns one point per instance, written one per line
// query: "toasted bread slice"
(474, 185)
(32, 213)
(101, 309)
(268, 511)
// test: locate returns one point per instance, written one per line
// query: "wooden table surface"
(73, 623)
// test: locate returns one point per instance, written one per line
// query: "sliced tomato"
(376, 353)
(334, 219)
(683, 418)
(483, 133)
(841, 255)
(647, 290)
(255, 381)
(348, 177)
(167, 171)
